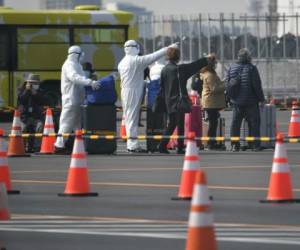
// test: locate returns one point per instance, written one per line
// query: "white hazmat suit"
(131, 70)
(73, 80)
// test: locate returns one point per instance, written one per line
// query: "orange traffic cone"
(123, 129)
(201, 233)
(16, 142)
(78, 180)
(4, 169)
(4, 213)
(294, 126)
(48, 140)
(280, 186)
(190, 167)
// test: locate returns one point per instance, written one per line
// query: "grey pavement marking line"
(138, 169)
(149, 185)
(270, 236)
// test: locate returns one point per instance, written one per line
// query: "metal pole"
(284, 40)
(245, 32)
(208, 37)
(190, 38)
(162, 30)
(232, 37)
(172, 26)
(200, 36)
(145, 34)
(267, 51)
(153, 33)
(222, 42)
(181, 36)
(258, 37)
(297, 52)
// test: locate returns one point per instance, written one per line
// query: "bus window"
(103, 35)
(49, 44)
(4, 50)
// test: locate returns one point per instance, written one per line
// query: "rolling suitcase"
(100, 120)
(193, 122)
(155, 126)
(267, 127)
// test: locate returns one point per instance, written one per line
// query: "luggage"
(267, 127)
(105, 95)
(153, 88)
(100, 120)
(193, 122)
(220, 132)
(155, 126)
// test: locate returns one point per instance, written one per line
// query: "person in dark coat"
(250, 96)
(30, 104)
(172, 76)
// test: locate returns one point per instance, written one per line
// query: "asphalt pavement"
(134, 209)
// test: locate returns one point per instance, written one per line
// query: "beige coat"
(213, 90)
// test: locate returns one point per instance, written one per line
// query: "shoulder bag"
(184, 104)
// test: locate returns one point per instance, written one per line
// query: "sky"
(165, 6)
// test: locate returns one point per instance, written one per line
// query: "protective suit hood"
(131, 48)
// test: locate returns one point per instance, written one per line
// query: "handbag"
(184, 104)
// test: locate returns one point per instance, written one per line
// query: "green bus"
(38, 41)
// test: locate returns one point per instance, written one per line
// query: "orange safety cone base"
(281, 189)
(4, 215)
(77, 178)
(201, 238)
(16, 147)
(186, 186)
(47, 146)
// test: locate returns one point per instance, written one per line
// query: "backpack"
(232, 86)
(106, 94)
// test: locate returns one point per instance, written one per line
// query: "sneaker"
(137, 150)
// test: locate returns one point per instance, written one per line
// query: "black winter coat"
(170, 81)
(30, 105)
(251, 91)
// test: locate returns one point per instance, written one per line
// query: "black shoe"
(141, 125)
(137, 150)
(62, 151)
(164, 151)
(180, 151)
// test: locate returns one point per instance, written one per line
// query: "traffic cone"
(123, 129)
(48, 141)
(294, 126)
(16, 142)
(190, 167)
(78, 180)
(4, 169)
(4, 213)
(201, 233)
(280, 185)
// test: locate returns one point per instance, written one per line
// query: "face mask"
(35, 86)
(81, 57)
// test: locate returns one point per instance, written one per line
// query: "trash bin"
(100, 120)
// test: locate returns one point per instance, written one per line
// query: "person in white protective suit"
(131, 70)
(73, 80)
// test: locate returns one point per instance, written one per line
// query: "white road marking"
(260, 234)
